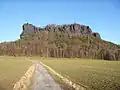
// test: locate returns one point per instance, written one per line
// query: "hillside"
(65, 41)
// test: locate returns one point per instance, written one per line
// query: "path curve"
(42, 79)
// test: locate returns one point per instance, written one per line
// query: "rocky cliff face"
(71, 29)
(61, 41)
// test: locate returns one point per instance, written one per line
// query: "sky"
(102, 16)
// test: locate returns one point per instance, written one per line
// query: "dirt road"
(42, 80)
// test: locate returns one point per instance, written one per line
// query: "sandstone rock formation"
(71, 29)
(61, 41)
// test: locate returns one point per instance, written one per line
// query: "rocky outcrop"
(71, 29)
(96, 35)
(29, 29)
(61, 41)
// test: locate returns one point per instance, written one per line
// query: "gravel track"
(42, 79)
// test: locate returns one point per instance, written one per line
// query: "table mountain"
(71, 29)
(61, 41)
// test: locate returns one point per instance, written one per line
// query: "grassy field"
(11, 70)
(96, 74)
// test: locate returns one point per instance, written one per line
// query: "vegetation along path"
(42, 79)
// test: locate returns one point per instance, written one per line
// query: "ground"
(43, 80)
(11, 70)
(96, 74)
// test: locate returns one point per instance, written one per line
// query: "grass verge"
(59, 81)
(11, 70)
(96, 74)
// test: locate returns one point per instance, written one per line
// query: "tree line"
(61, 46)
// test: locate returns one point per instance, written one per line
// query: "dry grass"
(96, 74)
(11, 70)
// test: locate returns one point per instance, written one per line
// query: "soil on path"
(42, 79)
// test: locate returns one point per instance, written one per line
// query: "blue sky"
(102, 16)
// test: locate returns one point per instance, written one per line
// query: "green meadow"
(96, 74)
(11, 70)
